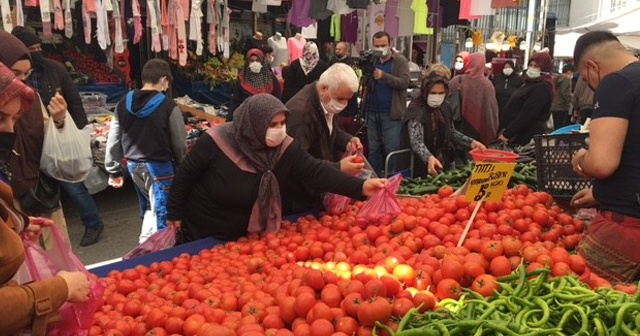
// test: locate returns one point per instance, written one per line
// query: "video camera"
(367, 61)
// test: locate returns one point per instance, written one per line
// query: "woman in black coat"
(506, 83)
(305, 70)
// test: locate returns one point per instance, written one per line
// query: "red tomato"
(425, 300)
(448, 289)
(485, 285)
(491, 249)
(378, 309)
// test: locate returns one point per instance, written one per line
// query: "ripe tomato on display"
(485, 285)
(448, 289)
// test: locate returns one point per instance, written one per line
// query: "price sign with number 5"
(489, 180)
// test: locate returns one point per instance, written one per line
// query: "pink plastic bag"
(77, 318)
(161, 240)
(335, 204)
(383, 207)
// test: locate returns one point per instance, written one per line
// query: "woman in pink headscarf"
(528, 109)
(305, 70)
(479, 117)
(460, 63)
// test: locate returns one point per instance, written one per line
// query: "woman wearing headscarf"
(528, 109)
(430, 131)
(255, 77)
(23, 169)
(460, 63)
(506, 83)
(29, 305)
(479, 117)
(229, 183)
(305, 70)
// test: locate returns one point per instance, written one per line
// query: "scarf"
(436, 123)
(243, 142)
(255, 83)
(546, 63)
(479, 104)
(310, 57)
(29, 128)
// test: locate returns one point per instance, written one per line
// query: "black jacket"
(505, 87)
(295, 79)
(54, 76)
(527, 112)
(239, 95)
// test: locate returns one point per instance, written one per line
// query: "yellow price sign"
(489, 180)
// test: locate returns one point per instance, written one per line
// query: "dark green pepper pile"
(524, 173)
(529, 305)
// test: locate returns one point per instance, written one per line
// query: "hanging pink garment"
(211, 20)
(91, 5)
(137, 22)
(182, 34)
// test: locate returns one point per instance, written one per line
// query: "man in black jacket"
(50, 77)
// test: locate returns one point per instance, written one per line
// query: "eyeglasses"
(21, 74)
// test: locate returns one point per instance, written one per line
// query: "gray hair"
(338, 74)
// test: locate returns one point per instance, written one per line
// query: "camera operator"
(386, 100)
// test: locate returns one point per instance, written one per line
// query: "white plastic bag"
(97, 180)
(66, 152)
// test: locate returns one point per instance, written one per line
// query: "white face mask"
(384, 51)
(435, 100)
(533, 73)
(255, 67)
(275, 136)
(334, 106)
(458, 66)
(507, 71)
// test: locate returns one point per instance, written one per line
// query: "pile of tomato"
(328, 276)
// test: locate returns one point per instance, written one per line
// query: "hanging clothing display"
(181, 32)
(45, 14)
(280, 50)
(258, 6)
(324, 30)
(211, 20)
(117, 23)
(349, 27)
(153, 24)
(339, 7)
(481, 8)
(406, 18)
(391, 20)
(299, 13)
(102, 25)
(164, 24)
(5, 9)
(376, 19)
(504, 3)
(195, 25)
(362, 26)
(318, 10)
(310, 31)
(359, 4)
(421, 11)
(450, 13)
(335, 30)
(435, 19)
(465, 11)
(137, 22)
(295, 45)
(58, 17)
(86, 23)
(173, 34)
(20, 13)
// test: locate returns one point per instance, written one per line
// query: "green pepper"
(620, 315)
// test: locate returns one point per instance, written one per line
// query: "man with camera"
(385, 100)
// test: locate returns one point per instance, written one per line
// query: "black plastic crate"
(553, 162)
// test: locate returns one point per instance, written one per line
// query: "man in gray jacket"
(386, 101)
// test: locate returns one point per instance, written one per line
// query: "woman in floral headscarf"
(305, 70)
(255, 77)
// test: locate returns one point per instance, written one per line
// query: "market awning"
(623, 23)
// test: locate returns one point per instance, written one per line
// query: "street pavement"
(120, 215)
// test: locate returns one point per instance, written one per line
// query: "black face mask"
(37, 58)
(7, 141)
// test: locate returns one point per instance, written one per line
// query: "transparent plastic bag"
(382, 207)
(41, 264)
(335, 204)
(160, 240)
(66, 152)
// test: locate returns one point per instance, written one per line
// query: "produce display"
(328, 276)
(528, 303)
(524, 173)
(82, 64)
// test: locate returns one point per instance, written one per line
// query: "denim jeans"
(84, 202)
(381, 127)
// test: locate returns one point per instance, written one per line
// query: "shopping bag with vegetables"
(383, 207)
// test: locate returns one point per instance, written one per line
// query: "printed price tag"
(489, 181)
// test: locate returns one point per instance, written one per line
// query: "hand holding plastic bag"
(382, 207)
(336, 204)
(161, 240)
(77, 316)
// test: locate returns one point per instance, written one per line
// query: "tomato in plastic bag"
(383, 207)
